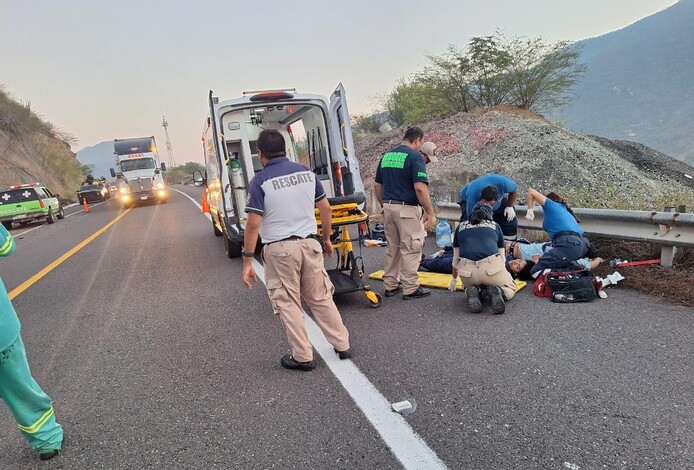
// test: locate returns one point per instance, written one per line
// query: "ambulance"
(317, 134)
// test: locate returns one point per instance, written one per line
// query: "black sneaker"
(49, 454)
(391, 293)
(346, 354)
(420, 292)
(473, 299)
(288, 362)
(497, 298)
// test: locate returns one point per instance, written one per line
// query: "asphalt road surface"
(156, 356)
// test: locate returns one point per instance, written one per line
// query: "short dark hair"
(413, 133)
(490, 193)
(524, 274)
(272, 144)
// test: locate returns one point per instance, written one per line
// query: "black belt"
(293, 237)
(567, 232)
(402, 203)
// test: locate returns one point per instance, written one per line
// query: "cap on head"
(429, 149)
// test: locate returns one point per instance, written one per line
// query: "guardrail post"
(667, 253)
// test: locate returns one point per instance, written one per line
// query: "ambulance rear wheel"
(215, 229)
(231, 248)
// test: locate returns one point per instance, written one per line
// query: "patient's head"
(520, 268)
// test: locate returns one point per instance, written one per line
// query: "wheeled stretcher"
(348, 273)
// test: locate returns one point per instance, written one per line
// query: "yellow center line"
(36, 277)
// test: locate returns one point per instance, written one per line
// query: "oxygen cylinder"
(443, 234)
(238, 185)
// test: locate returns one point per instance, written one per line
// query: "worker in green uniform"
(31, 407)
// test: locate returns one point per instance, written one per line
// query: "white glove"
(510, 213)
(530, 215)
(452, 284)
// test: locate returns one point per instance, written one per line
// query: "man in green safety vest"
(31, 407)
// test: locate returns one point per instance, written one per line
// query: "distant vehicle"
(317, 134)
(138, 166)
(24, 203)
(92, 192)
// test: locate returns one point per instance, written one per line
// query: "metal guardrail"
(669, 229)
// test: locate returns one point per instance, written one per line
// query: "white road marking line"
(405, 444)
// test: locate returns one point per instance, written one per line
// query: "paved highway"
(157, 357)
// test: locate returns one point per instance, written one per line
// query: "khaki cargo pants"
(490, 271)
(405, 234)
(294, 269)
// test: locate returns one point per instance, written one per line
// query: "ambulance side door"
(343, 144)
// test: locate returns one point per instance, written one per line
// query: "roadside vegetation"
(527, 73)
(182, 174)
(27, 132)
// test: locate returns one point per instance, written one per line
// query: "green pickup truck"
(27, 202)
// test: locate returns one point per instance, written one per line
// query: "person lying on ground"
(533, 251)
(520, 268)
(439, 262)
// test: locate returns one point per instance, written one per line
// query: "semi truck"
(317, 134)
(138, 166)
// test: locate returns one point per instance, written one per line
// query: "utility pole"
(169, 148)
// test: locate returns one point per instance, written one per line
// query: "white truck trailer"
(137, 164)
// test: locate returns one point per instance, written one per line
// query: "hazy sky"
(109, 69)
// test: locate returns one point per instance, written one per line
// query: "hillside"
(588, 171)
(639, 84)
(37, 157)
(33, 150)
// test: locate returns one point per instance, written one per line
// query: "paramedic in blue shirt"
(282, 198)
(31, 407)
(560, 223)
(504, 213)
(401, 187)
(479, 257)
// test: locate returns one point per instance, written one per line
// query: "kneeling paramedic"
(31, 407)
(479, 257)
(281, 205)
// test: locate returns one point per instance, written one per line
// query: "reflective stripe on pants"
(30, 406)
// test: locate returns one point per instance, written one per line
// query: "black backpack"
(571, 286)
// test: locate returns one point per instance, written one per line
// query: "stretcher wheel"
(375, 298)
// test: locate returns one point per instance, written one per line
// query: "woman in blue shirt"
(560, 223)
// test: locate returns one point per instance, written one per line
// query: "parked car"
(24, 203)
(92, 192)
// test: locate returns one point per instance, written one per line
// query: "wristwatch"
(246, 254)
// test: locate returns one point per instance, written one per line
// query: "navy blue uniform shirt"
(476, 242)
(398, 171)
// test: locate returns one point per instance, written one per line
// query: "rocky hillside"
(588, 171)
(36, 157)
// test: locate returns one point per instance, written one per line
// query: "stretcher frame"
(348, 274)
